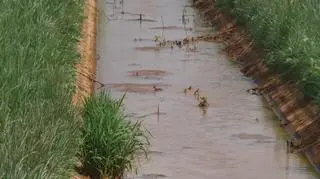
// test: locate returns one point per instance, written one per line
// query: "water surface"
(235, 138)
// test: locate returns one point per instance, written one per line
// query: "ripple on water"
(135, 87)
(247, 136)
(148, 73)
(148, 48)
(150, 176)
(171, 28)
(134, 64)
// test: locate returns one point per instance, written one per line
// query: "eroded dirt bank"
(298, 115)
(86, 68)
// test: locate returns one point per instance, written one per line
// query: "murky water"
(235, 138)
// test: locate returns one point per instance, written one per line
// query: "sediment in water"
(298, 115)
(86, 68)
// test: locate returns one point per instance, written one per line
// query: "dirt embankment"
(299, 115)
(86, 68)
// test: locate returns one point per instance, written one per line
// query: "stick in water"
(102, 85)
(140, 18)
(162, 26)
(122, 12)
(158, 113)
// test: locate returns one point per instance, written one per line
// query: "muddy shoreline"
(86, 68)
(297, 114)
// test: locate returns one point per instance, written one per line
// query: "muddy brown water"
(236, 137)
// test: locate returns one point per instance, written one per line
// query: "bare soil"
(86, 68)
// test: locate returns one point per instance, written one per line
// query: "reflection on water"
(235, 138)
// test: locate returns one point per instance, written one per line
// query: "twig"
(162, 26)
(183, 21)
(158, 113)
(140, 18)
(244, 51)
(224, 31)
(102, 85)
(122, 4)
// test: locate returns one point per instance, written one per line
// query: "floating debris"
(178, 43)
(156, 88)
(187, 89)
(196, 92)
(255, 91)
(203, 102)
(157, 38)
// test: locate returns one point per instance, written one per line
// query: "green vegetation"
(38, 134)
(289, 32)
(111, 143)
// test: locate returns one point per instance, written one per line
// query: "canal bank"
(297, 114)
(86, 67)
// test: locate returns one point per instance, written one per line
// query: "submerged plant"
(111, 143)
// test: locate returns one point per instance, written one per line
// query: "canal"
(236, 137)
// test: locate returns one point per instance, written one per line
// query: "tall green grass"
(38, 134)
(288, 31)
(111, 143)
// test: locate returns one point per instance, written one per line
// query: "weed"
(111, 143)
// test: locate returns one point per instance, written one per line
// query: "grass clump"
(111, 143)
(38, 134)
(288, 31)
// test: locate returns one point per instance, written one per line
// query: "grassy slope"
(289, 32)
(37, 52)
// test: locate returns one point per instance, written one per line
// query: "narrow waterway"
(235, 138)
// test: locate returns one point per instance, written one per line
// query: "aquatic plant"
(288, 32)
(39, 136)
(111, 143)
